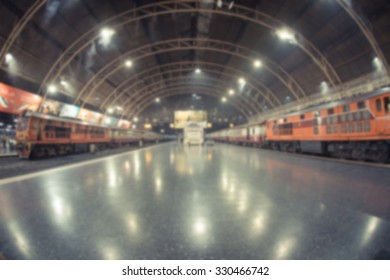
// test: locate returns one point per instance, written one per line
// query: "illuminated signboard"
(184, 117)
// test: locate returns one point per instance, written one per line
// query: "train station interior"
(194, 130)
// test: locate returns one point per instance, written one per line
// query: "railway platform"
(214, 202)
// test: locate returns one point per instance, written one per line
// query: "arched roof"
(285, 50)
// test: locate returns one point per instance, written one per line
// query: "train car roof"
(332, 104)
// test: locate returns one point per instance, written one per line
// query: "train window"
(387, 104)
(328, 130)
(358, 116)
(351, 127)
(330, 111)
(361, 105)
(366, 115)
(378, 105)
(334, 118)
(350, 117)
(346, 108)
(359, 127)
(302, 117)
(335, 129)
(367, 126)
(343, 118)
(327, 120)
(316, 130)
(344, 128)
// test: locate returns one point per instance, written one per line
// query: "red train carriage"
(251, 134)
(357, 128)
(121, 137)
(40, 135)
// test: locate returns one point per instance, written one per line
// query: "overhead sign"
(190, 116)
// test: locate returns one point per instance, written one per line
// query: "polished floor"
(221, 202)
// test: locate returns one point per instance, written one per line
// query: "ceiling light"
(8, 58)
(110, 110)
(241, 81)
(231, 91)
(257, 63)
(285, 34)
(198, 71)
(107, 33)
(128, 63)
(51, 88)
(157, 100)
(378, 65)
(223, 99)
(119, 108)
(135, 119)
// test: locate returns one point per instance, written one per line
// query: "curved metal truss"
(151, 89)
(137, 90)
(366, 30)
(185, 6)
(132, 84)
(189, 44)
(19, 26)
(178, 87)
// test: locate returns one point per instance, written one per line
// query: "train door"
(386, 121)
(316, 123)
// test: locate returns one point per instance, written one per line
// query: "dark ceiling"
(60, 43)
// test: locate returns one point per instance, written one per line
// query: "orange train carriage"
(354, 128)
(40, 135)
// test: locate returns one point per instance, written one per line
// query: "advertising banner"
(90, 116)
(14, 100)
(124, 123)
(70, 111)
(52, 107)
(110, 121)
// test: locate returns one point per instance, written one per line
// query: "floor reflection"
(221, 202)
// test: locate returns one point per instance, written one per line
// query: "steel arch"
(120, 90)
